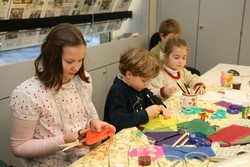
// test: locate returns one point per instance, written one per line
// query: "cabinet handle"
(201, 27)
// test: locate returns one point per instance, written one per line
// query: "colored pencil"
(181, 88)
(186, 88)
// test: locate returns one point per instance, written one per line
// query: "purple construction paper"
(169, 141)
(223, 104)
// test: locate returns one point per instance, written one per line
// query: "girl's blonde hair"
(174, 42)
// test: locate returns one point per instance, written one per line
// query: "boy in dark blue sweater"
(129, 103)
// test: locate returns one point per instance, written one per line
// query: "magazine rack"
(24, 24)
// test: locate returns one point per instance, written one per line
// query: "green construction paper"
(197, 125)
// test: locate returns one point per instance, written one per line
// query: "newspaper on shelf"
(4, 8)
(24, 9)
(29, 9)
(122, 5)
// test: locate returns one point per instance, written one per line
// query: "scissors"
(80, 140)
(89, 138)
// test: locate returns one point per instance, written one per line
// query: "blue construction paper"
(182, 151)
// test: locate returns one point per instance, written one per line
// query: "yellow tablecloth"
(173, 104)
(99, 156)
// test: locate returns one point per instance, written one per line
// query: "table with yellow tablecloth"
(173, 104)
(99, 156)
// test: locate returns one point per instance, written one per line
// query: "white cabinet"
(102, 80)
(99, 82)
(185, 12)
(112, 71)
(219, 31)
(212, 29)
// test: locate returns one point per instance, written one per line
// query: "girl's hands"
(97, 125)
(169, 90)
(201, 91)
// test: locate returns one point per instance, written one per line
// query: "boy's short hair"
(170, 26)
(174, 42)
(140, 62)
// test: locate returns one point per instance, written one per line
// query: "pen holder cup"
(226, 79)
(188, 100)
(118, 155)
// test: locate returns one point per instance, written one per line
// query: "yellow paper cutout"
(158, 123)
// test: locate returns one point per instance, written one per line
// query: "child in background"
(173, 71)
(129, 103)
(168, 28)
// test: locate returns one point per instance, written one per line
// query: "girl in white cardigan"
(173, 71)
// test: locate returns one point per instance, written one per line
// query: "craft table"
(99, 157)
(212, 77)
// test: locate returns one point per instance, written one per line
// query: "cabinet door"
(112, 71)
(244, 58)
(6, 153)
(186, 13)
(218, 33)
(99, 89)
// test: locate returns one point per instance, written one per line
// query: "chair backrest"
(154, 39)
(3, 164)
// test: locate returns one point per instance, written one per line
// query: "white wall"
(185, 12)
(212, 29)
(139, 22)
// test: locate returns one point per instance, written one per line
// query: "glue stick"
(245, 109)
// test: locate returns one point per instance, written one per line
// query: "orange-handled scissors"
(89, 138)
(80, 140)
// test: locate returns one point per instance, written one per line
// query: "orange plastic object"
(94, 137)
